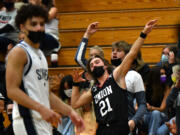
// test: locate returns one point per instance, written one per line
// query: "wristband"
(76, 84)
(143, 35)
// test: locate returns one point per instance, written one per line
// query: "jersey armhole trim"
(29, 61)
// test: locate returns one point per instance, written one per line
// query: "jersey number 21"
(103, 107)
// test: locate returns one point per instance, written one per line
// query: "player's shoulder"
(17, 54)
(133, 73)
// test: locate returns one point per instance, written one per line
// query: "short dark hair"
(29, 11)
(47, 3)
(4, 42)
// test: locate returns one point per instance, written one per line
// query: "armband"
(143, 35)
(76, 84)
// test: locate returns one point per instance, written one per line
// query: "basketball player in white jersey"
(27, 80)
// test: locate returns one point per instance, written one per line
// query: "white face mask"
(68, 92)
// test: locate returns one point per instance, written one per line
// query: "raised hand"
(91, 29)
(149, 25)
(77, 77)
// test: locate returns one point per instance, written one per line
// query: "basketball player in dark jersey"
(109, 93)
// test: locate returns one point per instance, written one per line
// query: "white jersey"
(34, 82)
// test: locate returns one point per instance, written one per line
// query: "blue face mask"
(164, 58)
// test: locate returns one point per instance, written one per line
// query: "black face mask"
(98, 71)
(10, 117)
(8, 5)
(116, 62)
(36, 37)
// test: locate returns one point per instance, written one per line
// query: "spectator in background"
(66, 127)
(50, 43)
(172, 127)
(156, 94)
(164, 56)
(82, 61)
(172, 60)
(2, 91)
(8, 30)
(9, 130)
(2, 6)
(81, 51)
(141, 67)
(134, 84)
(119, 51)
(19, 3)
(167, 127)
(35, 2)
(174, 96)
(4, 100)
(51, 29)
(54, 82)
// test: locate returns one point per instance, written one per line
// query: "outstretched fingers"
(149, 25)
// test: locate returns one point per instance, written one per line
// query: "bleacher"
(119, 20)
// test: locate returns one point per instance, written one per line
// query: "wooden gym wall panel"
(63, 71)
(150, 54)
(96, 5)
(119, 19)
(107, 37)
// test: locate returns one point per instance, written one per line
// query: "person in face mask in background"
(134, 84)
(157, 91)
(164, 56)
(65, 91)
(9, 130)
(119, 51)
(172, 60)
(174, 96)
